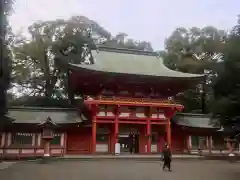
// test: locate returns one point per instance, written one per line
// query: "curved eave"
(95, 69)
(38, 115)
(199, 127)
(230, 130)
(6, 120)
(194, 121)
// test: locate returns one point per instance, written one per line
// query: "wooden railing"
(213, 151)
(18, 153)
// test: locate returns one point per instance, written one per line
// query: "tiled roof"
(38, 115)
(124, 61)
(195, 120)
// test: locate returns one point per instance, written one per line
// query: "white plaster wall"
(55, 151)
(27, 151)
(101, 147)
(12, 151)
(33, 139)
(3, 139)
(190, 141)
(9, 139)
(40, 151)
(62, 139)
(39, 139)
(153, 148)
(101, 113)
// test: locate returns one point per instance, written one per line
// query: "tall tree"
(121, 41)
(196, 51)
(37, 63)
(205, 45)
(5, 9)
(227, 86)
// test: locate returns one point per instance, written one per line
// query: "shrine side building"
(127, 97)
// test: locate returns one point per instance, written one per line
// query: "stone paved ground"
(4, 165)
(121, 170)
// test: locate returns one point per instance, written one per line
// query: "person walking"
(167, 157)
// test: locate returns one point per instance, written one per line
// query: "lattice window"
(56, 139)
(22, 138)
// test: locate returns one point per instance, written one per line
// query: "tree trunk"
(48, 90)
(3, 72)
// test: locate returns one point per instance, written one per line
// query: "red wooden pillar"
(149, 140)
(142, 139)
(168, 130)
(94, 134)
(188, 142)
(110, 141)
(160, 142)
(116, 131)
(115, 135)
(94, 131)
(116, 126)
(169, 113)
(229, 144)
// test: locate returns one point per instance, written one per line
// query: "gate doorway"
(129, 143)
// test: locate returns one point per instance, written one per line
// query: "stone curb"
(137, 158)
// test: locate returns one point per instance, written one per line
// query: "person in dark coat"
(167, 157)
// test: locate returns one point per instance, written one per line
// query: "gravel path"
(121, 170)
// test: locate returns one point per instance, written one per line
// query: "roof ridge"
(127, 51)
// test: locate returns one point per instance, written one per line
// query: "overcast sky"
(150, 20)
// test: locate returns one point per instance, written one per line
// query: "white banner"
(117, 148)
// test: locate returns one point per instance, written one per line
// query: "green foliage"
(5, 10)
(227, 86)
(36, 101)
(39, 65)
(195, 51)
(37, 62)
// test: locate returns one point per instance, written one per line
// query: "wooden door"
(78, 142)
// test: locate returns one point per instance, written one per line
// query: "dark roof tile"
(38, 115)
(130, 62)
(195, 120)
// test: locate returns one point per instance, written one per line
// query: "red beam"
(133, 103)
(129, 122)
(132, 118)
(158, 123)
(132, 122)
(94, 131)
(122, 122)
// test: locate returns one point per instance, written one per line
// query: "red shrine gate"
(155, 118)
(126, 88)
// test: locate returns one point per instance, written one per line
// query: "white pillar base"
(46, 155)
